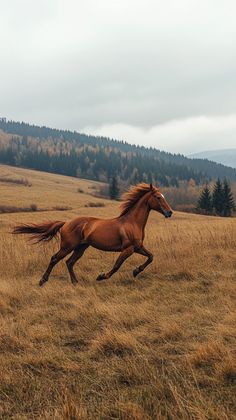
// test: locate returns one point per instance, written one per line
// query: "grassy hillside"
(160, 346)
(45, 190)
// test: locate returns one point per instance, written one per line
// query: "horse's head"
(158, 202)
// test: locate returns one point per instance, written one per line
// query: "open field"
(162, 346)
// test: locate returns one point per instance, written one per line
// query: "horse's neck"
(140, 212)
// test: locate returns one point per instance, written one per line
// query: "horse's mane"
(131, 197)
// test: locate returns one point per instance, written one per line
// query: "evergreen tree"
(217, 198)
(228, 199)
(205, 201)
(113, 188)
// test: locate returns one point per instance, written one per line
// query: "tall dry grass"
(160, 346)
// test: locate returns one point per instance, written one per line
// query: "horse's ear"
(151, 187)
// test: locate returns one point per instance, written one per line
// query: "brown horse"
(124, 234)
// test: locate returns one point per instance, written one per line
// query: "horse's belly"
(104, 247)
(105, 244)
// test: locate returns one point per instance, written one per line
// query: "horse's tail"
(43, 232)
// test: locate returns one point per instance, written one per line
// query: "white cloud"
(186, 136)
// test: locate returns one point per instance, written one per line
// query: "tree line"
(93, 162)
(176, 166)
(219, 202)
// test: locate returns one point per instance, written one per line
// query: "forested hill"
(76, 154)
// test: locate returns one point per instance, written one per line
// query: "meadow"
(160, 346)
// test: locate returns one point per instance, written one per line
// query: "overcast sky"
(155, 72)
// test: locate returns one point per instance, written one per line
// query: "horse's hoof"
(42, 281)
(136, 272)
(101, 276)
(74, 283)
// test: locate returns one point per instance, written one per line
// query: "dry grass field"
(161, 346)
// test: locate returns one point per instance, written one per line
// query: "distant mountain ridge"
(224, 156)
(99, 158)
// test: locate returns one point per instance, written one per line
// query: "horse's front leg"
(120, 260)
(143, 251)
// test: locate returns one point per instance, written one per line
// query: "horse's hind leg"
(54, 260)
(77, 254)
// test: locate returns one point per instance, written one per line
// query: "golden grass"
(162, 346)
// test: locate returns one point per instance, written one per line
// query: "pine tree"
(217, 198)
(228, 199)
(113, 188)
(205, 201)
